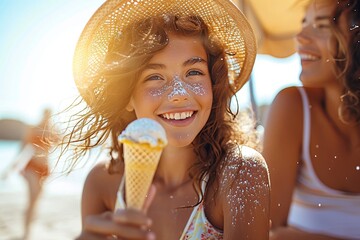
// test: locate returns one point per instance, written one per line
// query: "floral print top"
(199, 227)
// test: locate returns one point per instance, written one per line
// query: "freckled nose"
(178, 92)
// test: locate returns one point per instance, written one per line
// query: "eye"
(322, 23)
(194, 72)
(153, 78)
(321, 26)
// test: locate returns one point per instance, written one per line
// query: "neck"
(332, 104)
(174, 165)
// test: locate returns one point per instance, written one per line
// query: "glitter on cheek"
(196, 88)
(159, 91)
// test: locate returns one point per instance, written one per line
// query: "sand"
(57, 216)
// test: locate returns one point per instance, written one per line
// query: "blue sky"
(37, 41)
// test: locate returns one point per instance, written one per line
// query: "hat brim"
(223, 18)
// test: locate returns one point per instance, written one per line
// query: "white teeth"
(178, 116)
(308, 57)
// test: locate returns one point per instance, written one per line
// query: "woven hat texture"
(223, 18)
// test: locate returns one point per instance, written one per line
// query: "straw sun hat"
(223, 18)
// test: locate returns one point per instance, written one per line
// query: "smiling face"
(316, 44)
(175, 89)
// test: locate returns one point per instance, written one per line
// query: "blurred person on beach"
(33, 164)
(312, 135)
(178, 62)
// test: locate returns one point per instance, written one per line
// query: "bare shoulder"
(245, 194)
(98, 173)
(252, 159)
(285, 114)
(100, 176)
(292, 94)
(247, 158)
(246, 167)
(289, 92)
(102, 185)
(288, 100)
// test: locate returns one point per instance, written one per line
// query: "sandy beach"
(57, 217)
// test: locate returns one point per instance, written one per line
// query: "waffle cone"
(141, 162)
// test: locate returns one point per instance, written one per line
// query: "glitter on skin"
(179, 87)
(245, 193)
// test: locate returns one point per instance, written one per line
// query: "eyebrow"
(194, 60)
(188, 62)
(318, 18)
(154, 66)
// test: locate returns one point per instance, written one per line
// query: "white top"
(317, 208)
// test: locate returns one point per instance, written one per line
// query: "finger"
(99, 224)
(105, 225)
(149, 198)
(131, 217)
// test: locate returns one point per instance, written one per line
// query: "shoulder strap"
(194, 212)
(306, 126)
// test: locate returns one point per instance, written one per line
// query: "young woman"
(178, 63)
(312, 136)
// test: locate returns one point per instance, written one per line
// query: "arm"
(97, 210)
(282, 151)
(246, 201)
(93, 199)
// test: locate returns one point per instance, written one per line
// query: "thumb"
(149, 198)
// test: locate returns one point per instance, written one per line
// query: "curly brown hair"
(105, 116)
(348, 57)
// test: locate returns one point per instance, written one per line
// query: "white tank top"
(316, 208)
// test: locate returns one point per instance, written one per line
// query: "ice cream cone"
(143, 141)
(141, 161)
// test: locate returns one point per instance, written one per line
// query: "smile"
(304, 56)
(178, 116)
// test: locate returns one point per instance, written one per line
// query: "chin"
(310, 80)
(180, 140)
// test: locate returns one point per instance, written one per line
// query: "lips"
(308, 57)
(306, 54)
(178, 115)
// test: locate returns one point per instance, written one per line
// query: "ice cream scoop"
(144, 130)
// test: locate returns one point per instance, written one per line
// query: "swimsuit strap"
(195, 210)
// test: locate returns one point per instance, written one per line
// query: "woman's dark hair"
(348, 57)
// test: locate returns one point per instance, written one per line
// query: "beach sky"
(37, 42)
